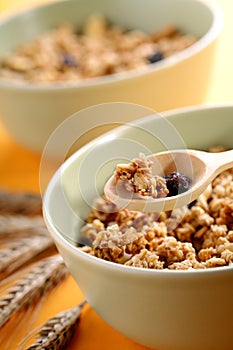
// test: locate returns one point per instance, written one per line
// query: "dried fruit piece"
(156, 57)
(68, 60)
(177, 183)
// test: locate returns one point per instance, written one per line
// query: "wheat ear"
(57, 332)
(17, 253)
(20, 203)
(44, 276)
(10, 236)
(13, 225)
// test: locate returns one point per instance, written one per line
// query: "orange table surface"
(19, 170)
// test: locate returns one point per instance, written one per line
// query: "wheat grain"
(20, 203)
(17, 253)
(44, 276)
(21, 234)
(57, 332)
(20, 226)
(9, 223)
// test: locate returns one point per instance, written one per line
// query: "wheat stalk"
(20, 203)
(17, 253)
(10, 223)
(23, 236)
(19, 226)
(45, 275)
(57, 332)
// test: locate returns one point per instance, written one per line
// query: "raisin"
(190, 205)
(156, 57)
(68, 60)
(177, 183)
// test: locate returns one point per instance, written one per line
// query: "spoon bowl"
(199, 166)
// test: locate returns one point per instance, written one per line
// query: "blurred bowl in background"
(30, 111)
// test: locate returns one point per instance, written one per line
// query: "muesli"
(99, 49)
(137, 177)
(199, 236)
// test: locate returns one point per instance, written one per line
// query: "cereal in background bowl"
(100, 48)
(43, 101)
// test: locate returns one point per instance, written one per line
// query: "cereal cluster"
(99, 49)
(137, 177)
(196, 237)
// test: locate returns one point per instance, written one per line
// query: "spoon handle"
(220, 161)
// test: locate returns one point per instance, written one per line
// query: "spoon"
(201, 168)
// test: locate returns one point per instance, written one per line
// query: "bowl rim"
(203, 42)
(58, 237)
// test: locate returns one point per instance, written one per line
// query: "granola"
(137, 177)
(199, 236)
(99, 49)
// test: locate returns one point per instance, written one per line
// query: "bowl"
(30, 112)
(161, 309)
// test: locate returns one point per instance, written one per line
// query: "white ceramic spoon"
(200, 167)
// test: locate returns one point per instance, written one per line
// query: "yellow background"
(19, 170)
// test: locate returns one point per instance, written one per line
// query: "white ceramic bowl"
(30, 112)
(165, 310)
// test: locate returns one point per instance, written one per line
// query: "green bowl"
(30, 112)
(164, 310)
